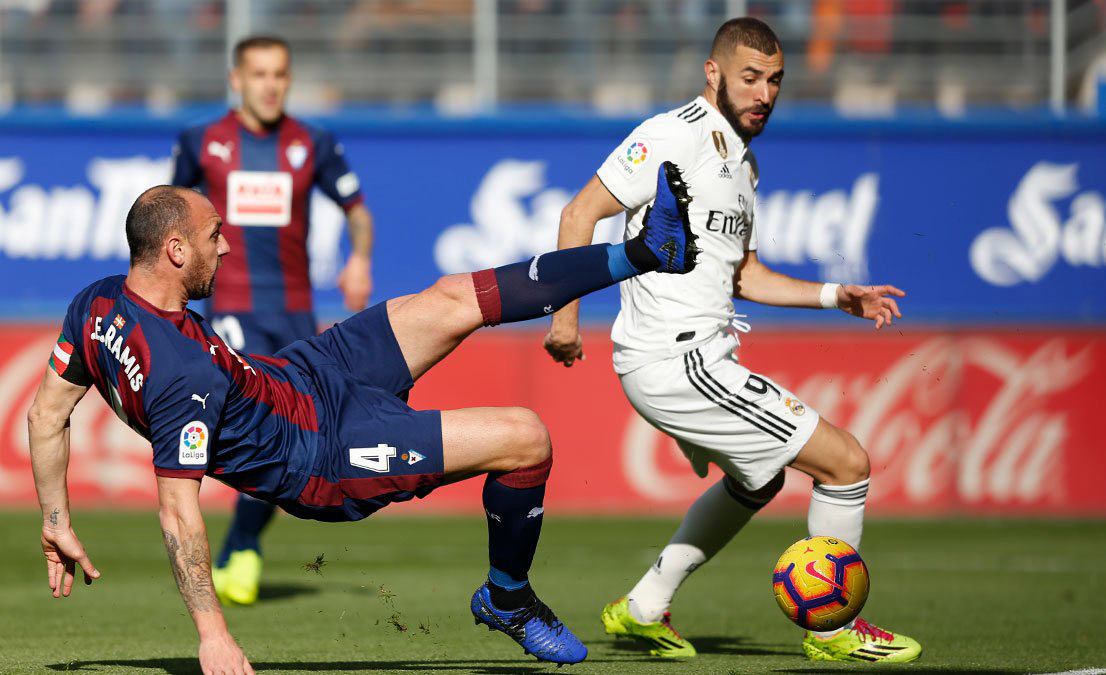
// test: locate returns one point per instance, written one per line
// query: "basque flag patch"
(63, 351)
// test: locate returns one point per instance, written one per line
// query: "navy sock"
(509, 599)
(514, 525)
(250, 518)
(548, 282)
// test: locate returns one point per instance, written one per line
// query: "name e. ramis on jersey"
(114, 343)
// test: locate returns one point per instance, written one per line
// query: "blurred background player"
(258, 166)
(675, 341)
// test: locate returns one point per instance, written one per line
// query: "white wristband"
(828, 295)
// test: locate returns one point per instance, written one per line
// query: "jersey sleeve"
(630, 171)
(183, 417)
(187, 171)
(333, 175)
(66, 359)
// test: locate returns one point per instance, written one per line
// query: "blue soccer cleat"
(535, 627)
(666, 230)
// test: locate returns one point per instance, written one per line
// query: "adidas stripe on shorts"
(719, 412)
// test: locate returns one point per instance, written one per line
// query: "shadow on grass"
(190, 666)
(726, 645)
(282, 591)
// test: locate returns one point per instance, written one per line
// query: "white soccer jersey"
(663, 315)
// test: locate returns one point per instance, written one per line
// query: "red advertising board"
(996, 422)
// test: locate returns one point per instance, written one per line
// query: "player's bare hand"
(564, 346)
(355, 281)
(871, 302)
(221, 655)
(63, 553)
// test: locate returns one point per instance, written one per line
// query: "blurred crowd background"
(862, 57)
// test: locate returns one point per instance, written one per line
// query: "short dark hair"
(155, 213)
(259, 42)
(744, 32)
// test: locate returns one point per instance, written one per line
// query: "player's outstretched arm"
(755, 282)
(578, 220)
(48, 435)
(355, 279)
(185, 534)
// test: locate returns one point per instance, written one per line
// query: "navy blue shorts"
(373, 448)
(263, 332)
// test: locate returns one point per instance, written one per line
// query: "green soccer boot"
(862, 642)
(661, 637)
(237, 583)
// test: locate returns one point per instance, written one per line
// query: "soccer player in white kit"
(675, 339)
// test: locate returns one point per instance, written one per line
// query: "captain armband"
(66, 362)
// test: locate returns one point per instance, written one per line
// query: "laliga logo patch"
(194, 438)
(637, 153)
(296, 154)
(796, 406)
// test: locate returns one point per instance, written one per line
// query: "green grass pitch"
(393, 594)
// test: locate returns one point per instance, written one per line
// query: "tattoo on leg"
(54, 517)
(191, 563)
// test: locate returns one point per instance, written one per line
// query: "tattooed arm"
(182, 525)
(48, 436)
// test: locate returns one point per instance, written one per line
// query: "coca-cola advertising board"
(979, 225)
(990, 422)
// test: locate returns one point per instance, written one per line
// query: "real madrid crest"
(296, 154)
(796, 406)
(720, 144)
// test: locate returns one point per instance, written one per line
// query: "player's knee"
(855, 466)
(529, 438)
(452, 289)
(530, 455)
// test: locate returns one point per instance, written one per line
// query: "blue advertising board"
(978, 226)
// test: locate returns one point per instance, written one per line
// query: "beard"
(733, 115)
(199, 283)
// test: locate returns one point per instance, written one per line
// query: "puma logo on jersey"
(203, 401)
(535, 512)
(534, 268)
(220, 150)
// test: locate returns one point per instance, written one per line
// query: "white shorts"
(718, 411)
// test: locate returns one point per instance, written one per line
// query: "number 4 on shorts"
(373, 459)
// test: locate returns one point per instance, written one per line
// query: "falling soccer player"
(322, 429)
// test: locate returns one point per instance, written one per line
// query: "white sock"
(837, 511)
(710, 524)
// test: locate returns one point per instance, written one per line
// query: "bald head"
(157, 212)
(743, 32)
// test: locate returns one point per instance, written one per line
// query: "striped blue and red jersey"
(248, 421)
(260, 183)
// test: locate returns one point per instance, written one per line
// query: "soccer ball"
(820, 583)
